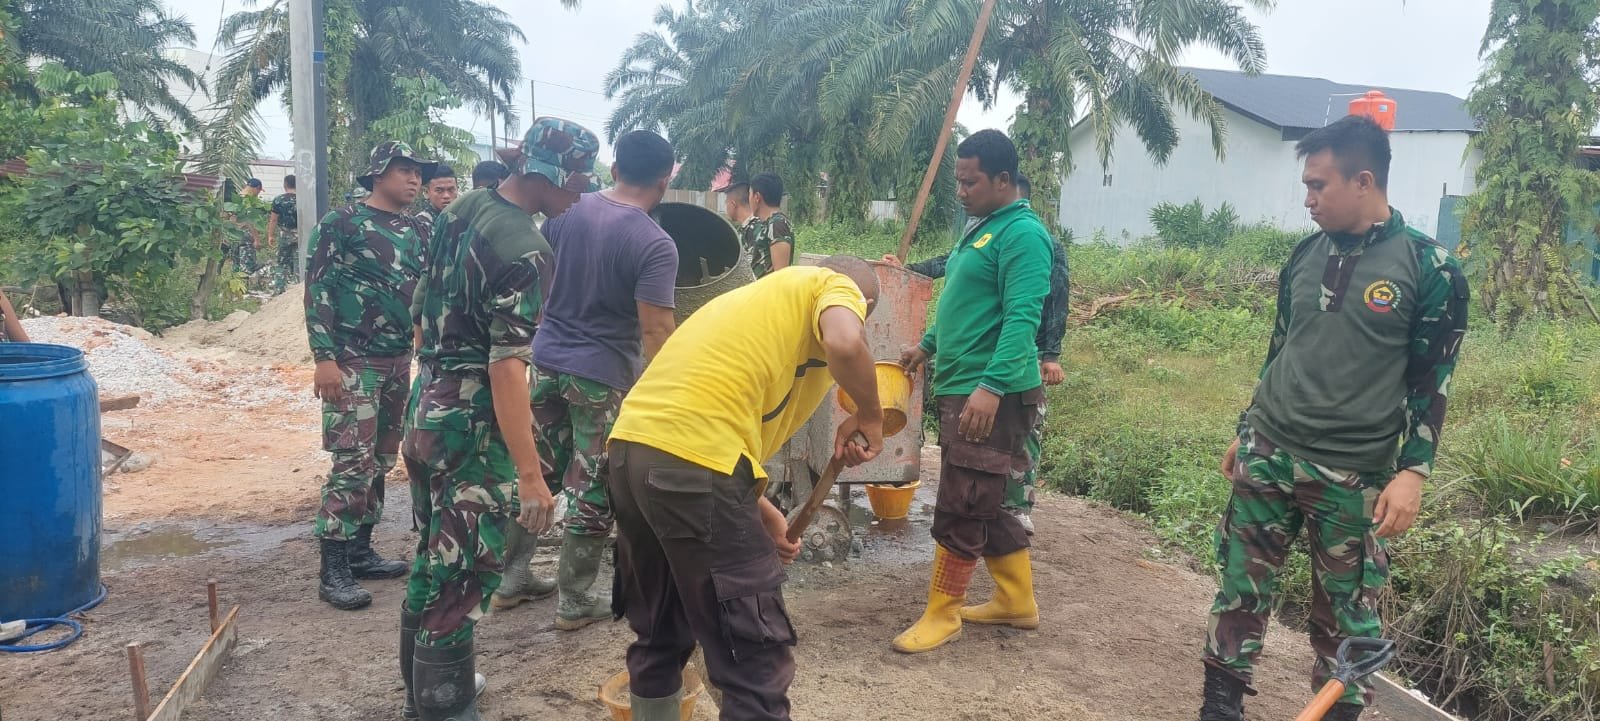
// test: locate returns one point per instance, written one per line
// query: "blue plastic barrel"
(49, 481)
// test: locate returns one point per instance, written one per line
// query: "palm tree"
(1110, 63)
(468, 45)
(122, 37)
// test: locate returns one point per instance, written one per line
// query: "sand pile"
(273, 335)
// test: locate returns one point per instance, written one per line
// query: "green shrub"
(1190, 226)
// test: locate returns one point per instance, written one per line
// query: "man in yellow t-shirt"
(700, 551)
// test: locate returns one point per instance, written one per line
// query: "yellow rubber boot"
(941, 623)
(1013, 604)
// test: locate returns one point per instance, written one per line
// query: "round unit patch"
(1382, 296)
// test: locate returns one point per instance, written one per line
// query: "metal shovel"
(1378, 653)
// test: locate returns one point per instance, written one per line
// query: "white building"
(1259, 175)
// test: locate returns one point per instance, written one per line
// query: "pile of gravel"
(123, 361)
(120, 357)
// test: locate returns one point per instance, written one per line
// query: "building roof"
(1288, 101)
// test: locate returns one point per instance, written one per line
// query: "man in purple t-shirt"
(609, 311)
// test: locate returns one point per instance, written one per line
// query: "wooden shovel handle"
(819, 493)
(1325, 700)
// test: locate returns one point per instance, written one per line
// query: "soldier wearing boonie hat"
(365, 260)
(469, 447)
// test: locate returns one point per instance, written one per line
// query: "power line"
(222, 17)
(569, 87)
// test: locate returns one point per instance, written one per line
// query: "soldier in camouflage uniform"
(469, 445)
(609, 311)
(283, 227)
(1340, 435)
(1020, 490)
(363, 268)
(439, 191)
(767, 235)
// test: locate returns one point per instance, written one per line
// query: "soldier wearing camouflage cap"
(364, 264)
(469, 444)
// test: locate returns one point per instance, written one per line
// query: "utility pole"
(533, 100)
(956, 94)
(309, 85)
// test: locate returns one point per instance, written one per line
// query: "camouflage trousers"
(244, 257)
(464, 500)
(574, 417)
(1022, 486)
(287, 270)
(362, 430)
(1274, 495)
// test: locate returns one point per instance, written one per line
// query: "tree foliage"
(857, 89)
(419, 121)
(123, 38)
(371, 45)
(1536, 103)
(103, 197)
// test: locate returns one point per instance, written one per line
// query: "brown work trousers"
(967, 518)
(695, 564)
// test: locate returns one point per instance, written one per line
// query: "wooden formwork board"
(205, 667)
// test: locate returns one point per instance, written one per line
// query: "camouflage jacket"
(288, 212)
(360, 278)
(760, 235)
(478, 302)
(1053, 321)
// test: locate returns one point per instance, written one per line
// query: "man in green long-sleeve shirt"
(988, 388)
(1052, 329)
(1341, 433)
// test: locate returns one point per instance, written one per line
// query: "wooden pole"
(141, 687)
(956, 94)
(211, 604)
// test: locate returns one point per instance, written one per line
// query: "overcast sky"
(1415, 44)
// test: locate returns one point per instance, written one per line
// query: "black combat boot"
(1224, 696)
(365, 561)
(409, 623)
(444, 683)
(1343, 712)
(338, 587)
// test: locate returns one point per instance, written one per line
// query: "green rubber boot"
(580, 564)
(519, 584)
(657, 709)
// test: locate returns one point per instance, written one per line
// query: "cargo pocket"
(681, 503)
(341, 419)
(754, 618)
(973, 482)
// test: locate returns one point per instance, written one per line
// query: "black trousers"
(695, 565)
(967, 518)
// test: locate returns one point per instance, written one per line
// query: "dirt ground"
(232, 491)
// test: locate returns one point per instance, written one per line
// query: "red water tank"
(1377, 106)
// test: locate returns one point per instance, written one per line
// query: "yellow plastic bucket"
(614, 694)
(890, 503)
(894, 393)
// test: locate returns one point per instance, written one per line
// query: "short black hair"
(737, 190)
(253, 182)
(1357, 142)
(1024, 185)
(770, 186)
(288, 181)
(440, 171)
(995, 152)
(643, 158)
(489, 172)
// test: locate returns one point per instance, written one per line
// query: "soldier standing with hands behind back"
(469, 446)
(364, 265)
